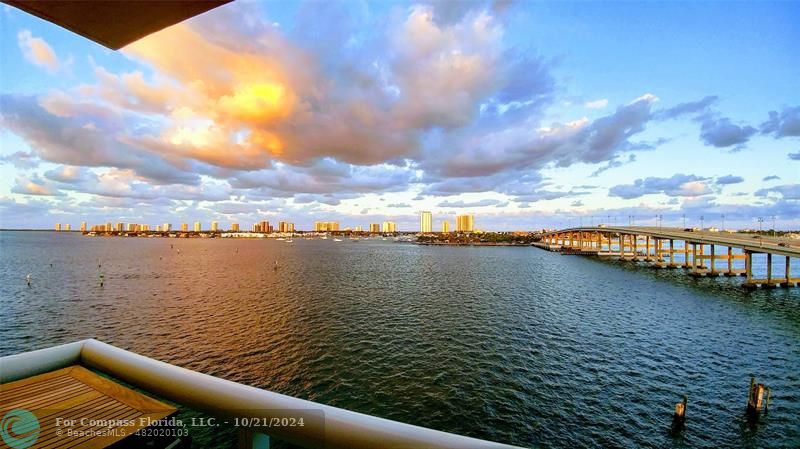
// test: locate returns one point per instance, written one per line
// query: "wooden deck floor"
(77, 394)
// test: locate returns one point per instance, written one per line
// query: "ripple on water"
(510, 344)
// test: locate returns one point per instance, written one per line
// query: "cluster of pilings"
(661, 252)
(758, 397)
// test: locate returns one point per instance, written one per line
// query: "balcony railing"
(338, 428)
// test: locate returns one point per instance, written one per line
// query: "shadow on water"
(779, 302)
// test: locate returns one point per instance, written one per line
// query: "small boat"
(289, 241)
(280, 239)
(337, 240)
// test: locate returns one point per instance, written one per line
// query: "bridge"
(700, 253)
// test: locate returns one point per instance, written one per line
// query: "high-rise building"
(109, 227)
(83, 226)
(214, 226)
(132, 227)
(375, 227)
(120, 227)
(158, 228)
(285, 226)
(185, 227)
(166, 227)
(359, 229)
(235, 227)
(58, 226)
(389, 226)
(197, 226)
(325, 226)
(445, 226)
(67, 227)
(425, 222)
(465, 223)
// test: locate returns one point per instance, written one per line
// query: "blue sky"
(526, 114)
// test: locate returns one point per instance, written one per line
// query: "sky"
(525, 114)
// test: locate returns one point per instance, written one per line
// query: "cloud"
(21, 159)
(398, 205)
(614, 163)
(522, 146)
(65, 140)
(691, 107)
(723, 133)
(729, 179)
(325, 176)
(37, 51)
(786, 191)
(69, 174)
(784, 123)
(596, 104)
(478, 203)
(34, 186)
(676, 185)
(545, 195)
(795, 156)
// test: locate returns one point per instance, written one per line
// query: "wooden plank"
(75, 393)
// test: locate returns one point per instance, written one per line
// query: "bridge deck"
(625, 243)
(749, 242)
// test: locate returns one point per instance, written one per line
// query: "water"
(517, 345)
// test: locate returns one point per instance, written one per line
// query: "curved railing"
(336, 428)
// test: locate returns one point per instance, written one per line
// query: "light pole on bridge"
(760, 220)
(723, 223)
(773, 226)
(684, 221)
(701, 223)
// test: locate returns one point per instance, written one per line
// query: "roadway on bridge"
(750, 242)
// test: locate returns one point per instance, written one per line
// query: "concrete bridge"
(701, 253)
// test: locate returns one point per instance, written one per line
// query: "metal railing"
(339, 428)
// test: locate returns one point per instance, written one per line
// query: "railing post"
(253, 440)
(788, 270)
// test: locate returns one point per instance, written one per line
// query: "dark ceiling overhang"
(115, 23)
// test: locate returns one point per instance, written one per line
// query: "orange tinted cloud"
(37, 51)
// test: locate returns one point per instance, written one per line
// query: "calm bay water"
(516, 345)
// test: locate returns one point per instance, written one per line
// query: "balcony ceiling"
(115, 23)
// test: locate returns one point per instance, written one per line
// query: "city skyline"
(526, 115)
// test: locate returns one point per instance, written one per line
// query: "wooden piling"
(758, 397)
(679, 417)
